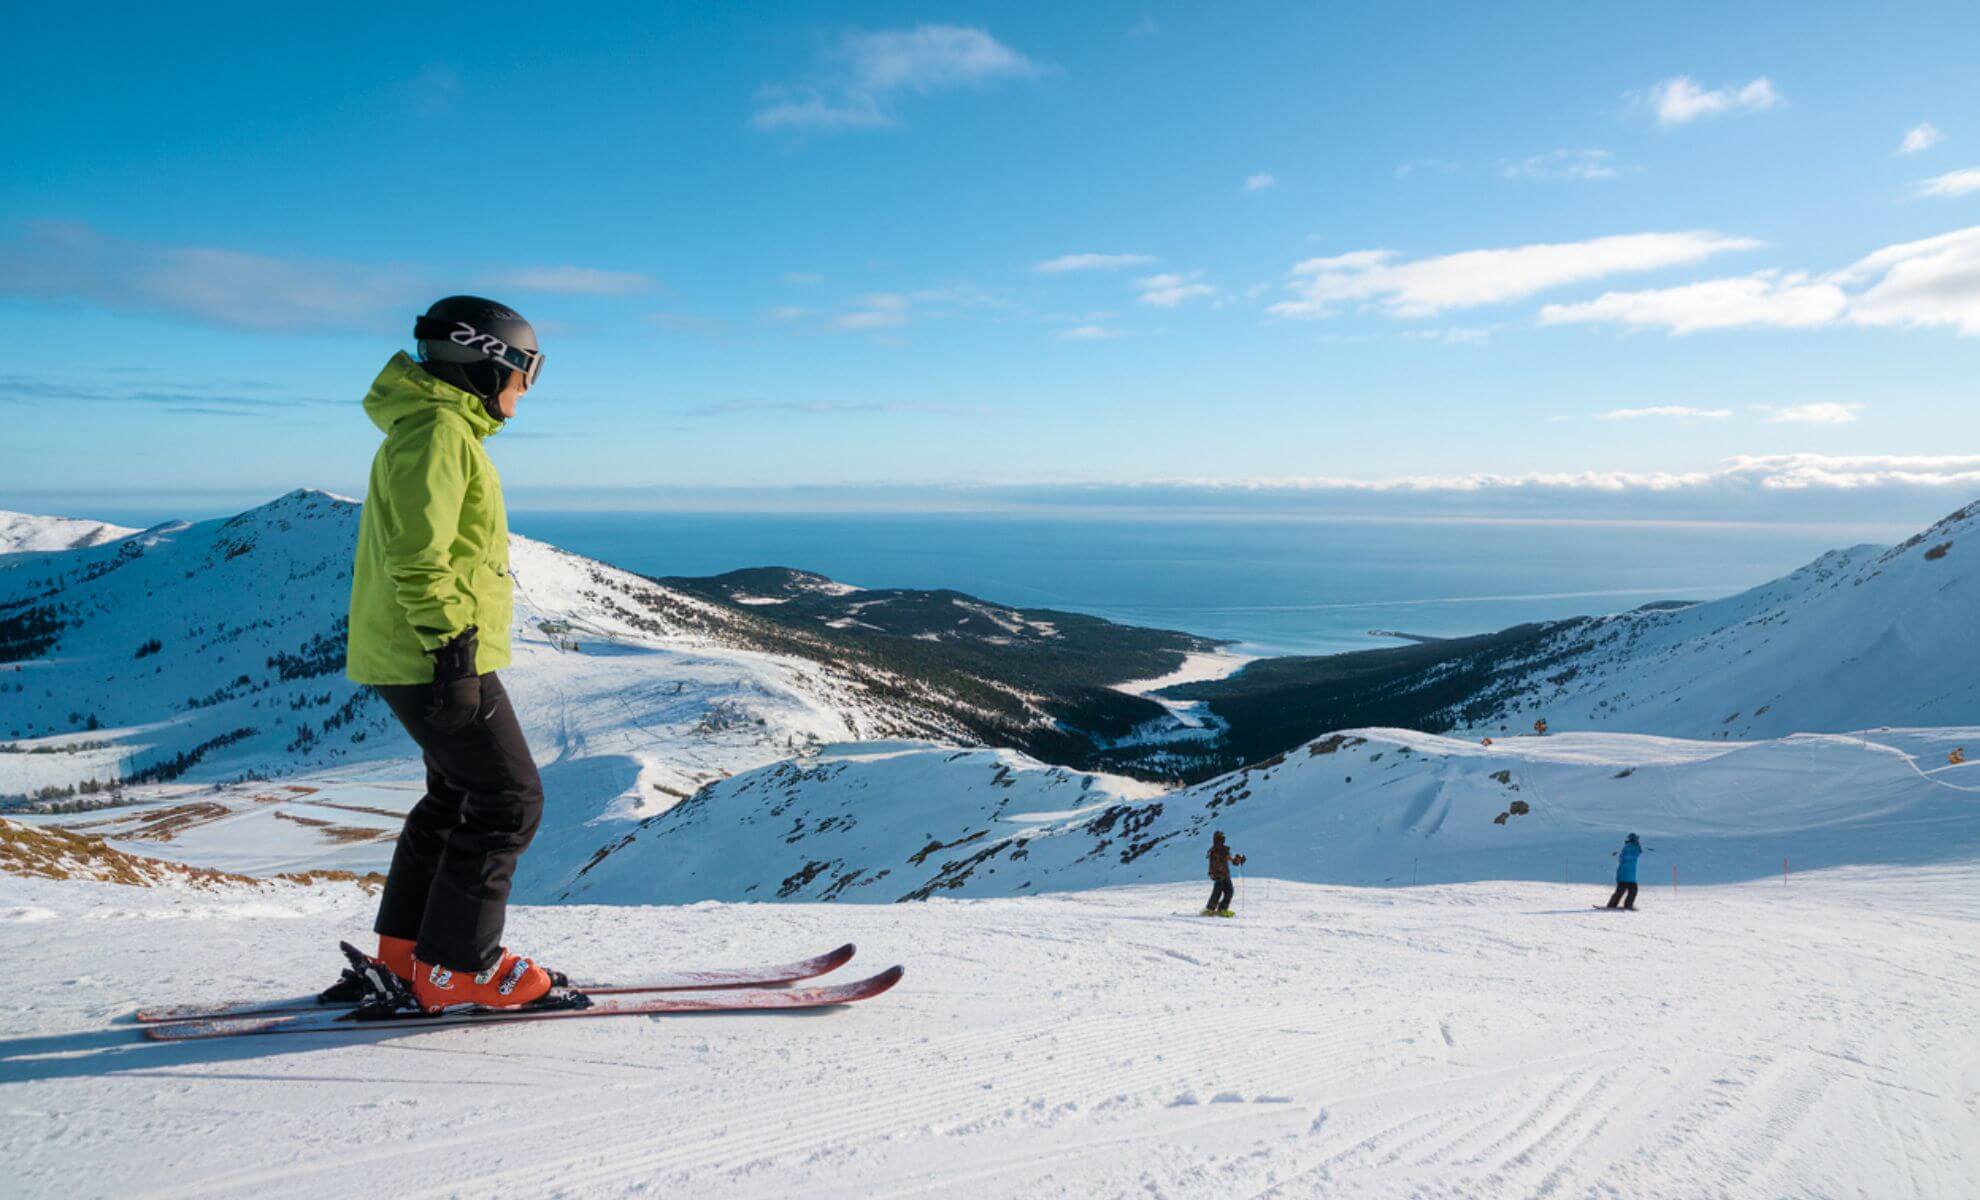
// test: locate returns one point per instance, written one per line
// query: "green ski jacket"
(433, 540)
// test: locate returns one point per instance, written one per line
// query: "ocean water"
(1272, 586)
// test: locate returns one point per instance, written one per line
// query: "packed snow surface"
(1812, 1037)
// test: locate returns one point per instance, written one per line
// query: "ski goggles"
(435, 329)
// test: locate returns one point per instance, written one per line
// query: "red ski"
(715, 1001)
(676, 981)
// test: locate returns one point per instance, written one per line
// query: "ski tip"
(833, 959)
(864, 989)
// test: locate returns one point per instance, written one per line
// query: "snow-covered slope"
(1860, 638)
(1485, 1041)
(214, 651)
(21, 532)
(189, 656)
(1372, 806)
(1865, 636)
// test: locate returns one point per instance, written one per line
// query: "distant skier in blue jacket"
(1626, 873)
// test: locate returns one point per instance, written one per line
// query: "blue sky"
(1660, 261)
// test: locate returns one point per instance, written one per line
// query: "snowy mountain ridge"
(187, 663)
(1366, 806)
(193, 662)
(27, 532)
(1867, 635)
(1863, 637)
(215, 650)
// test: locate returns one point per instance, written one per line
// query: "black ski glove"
(456, 688)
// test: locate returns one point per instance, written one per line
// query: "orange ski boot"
(396, 956)
(511, 983)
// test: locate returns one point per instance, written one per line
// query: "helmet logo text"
(467, 335)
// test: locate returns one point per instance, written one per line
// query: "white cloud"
(1931, 282)
(1828, 413)
(1259, 182)
(571, 281)
(875, 310)
(1680, 101)
(1145, 27)
(228, 289)
(887, 310)
(1922, 136)
(1460, 336)
(1874, 497)
(1427, 286)
(1170, 290)
(1679, 412)
(1087, 333)
(803, 277)
(234, 289)
(1740, 474)
(787, 312)
(1952, 183)
(1765, 298)
(1564, 164)
(865, 73)
(1091, 262)
(814, 112)
(1935, 281)
(872, 318)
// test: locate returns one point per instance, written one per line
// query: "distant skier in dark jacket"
(1626, 873)
(1221, 860)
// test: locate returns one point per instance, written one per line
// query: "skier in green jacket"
(429, 627)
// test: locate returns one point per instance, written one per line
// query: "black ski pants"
(1625, 895)
(1220, 894)
(449, 885)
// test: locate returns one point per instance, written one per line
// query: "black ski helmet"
(475, 344)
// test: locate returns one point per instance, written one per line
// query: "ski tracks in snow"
(1472, 1040)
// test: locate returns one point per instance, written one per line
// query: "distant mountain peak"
(22, 533)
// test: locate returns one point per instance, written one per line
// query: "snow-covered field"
(1812, 1038)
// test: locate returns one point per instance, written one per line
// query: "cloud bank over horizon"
(1886, 492)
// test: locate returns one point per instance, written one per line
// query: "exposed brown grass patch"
(342, 835)
(44, 852)
(164, 824)
(357, 808)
